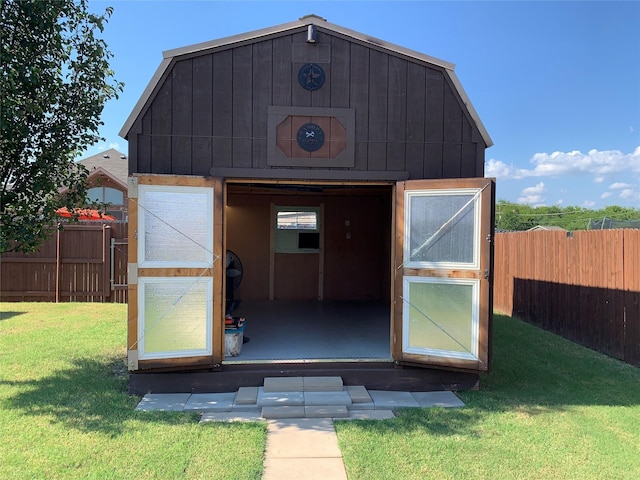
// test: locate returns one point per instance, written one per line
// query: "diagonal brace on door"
(168, 307)
(443, 228)
(442, 329)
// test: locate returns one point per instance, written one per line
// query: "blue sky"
(556, 84)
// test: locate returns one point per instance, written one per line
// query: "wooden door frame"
(483, 274)
(215, 271)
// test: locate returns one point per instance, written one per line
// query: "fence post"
(106, 263)
(58, 264)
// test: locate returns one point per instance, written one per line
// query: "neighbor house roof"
(170, 56)
(547, 227)
(110, 161)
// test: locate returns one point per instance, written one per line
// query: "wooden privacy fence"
(584, 286)
(83, 262)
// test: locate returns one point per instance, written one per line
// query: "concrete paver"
(358, 394)
(246, 396)
(301, 440)
(282, 397)
(326, 411)
(210, 402)
(437, 399)
(369, 415)
(327, 398)
(166, 402)
(307, 468)
(389, 399)
(283, 384)
(283, 411)
(322, 384)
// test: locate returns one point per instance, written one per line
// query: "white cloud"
(533, 195)
(619, 186)
(575, 163)
(606, 195)
(588, 204)
(629, 194)
(105, 146)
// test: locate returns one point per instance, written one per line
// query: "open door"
(175, 272)
(443, 265)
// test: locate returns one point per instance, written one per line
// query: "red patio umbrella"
(84, 214)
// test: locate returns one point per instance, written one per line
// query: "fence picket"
(584, 286)
(78, 270)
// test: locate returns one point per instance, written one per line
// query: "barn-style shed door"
(442, 283)
(175, 274)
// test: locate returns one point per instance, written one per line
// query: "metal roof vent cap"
(312, 33)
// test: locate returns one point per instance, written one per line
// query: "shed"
(327, 187)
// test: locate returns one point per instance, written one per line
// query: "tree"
(517, 217)
(54, 81)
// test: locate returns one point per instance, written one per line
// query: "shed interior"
(316, 273)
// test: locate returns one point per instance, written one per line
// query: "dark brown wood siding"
(210, 109)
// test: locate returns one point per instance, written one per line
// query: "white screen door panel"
(178, 272)
(443, 261)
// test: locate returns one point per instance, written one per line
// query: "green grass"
(65, 411)
(550, 409)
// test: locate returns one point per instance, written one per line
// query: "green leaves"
(55, 79)
(519, 217)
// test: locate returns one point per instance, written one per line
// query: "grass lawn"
(549, 410)
(65, 411)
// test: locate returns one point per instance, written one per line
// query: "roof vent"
(312, 34)
(105, 156)
(123, 157)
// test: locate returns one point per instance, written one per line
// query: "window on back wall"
(297, 230)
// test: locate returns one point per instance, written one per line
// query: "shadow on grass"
(89, 396)
(534, 373)
(8, 315)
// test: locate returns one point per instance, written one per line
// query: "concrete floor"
(294, 330)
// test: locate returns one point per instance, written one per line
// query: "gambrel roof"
(170, 56)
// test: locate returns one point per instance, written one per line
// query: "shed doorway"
(316, 288)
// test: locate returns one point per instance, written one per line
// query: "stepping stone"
(283, 384)
(247, 396)
(231, 417)
(358, 394)
(444, 399)
(326, 411)
(362, 406)
(387, 399)
(286, 411)
(210, 402)
(369, 415)
(270, 399)
(322, 384)
(246, 408)
(302, 438)
(307, 468)
(165, 402)
(327, 398)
